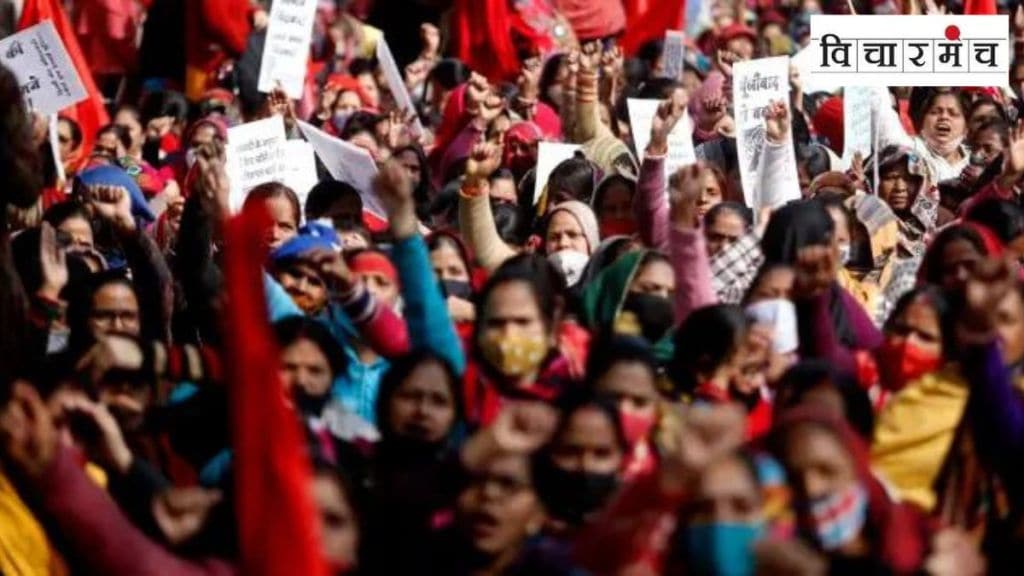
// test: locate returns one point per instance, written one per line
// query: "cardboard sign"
(38, 59)
(289, 32)
(934, 50)
(549, 156)
(673, 54)
(300, 165)
(680, 139)
(347, 163)
(857, 124)
(255, 155)
(756, 84)
(396, 84)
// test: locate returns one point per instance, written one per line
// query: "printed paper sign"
(812, 83)
(289, 32)
(38, 59)
(255, 155)
(680, 140)
(53, 132)
(857, 125)
(673, 54)
(756, 84)
(347, 163)
(300, 163)
(549, 156)
(911, 50)
(396, 84)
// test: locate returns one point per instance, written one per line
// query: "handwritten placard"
(255, 155)
(857, 125)
(673, 54)
(289, 32)
(934, 50)
(756, 84)
(346, 162)
(396, 84)
(38, 59)
(680, 139)
(549, 156)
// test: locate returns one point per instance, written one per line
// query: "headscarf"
(372, 261)
(896, 540)
(828, 121)
(523, 132)
(587, 221)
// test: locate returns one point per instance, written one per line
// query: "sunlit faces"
(448, 264)
(919, 325)
(817, 464)
(898, 188)
(711, 193)
(411, 162)
(773, 284)
(944, 123)
(565, 233)
(655, 278)
(305, 368)
(987, 144)
(726, 228)
(304, 284)
(114, 310)
(284, 221)
(499, 509)
(512, 310)
(423, 406)
(339, 527)
(383, 287)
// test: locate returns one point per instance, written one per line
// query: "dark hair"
(294, 328)
(570, 404)
(982, 101)
(538, 275)
(360, 121)
(611, 349)
(1003, 217)
(326, 192)
(658, 88)
(399, 371)
(422, 194)
(807, 375)
(120, 132)
(437, 240)
(61, 212)
(20, 162)
(269, 190)
(933, 265)
(80, 305)
(449, 73)
(575, 177)
(362, 66)
(997, 125)
(707, 338)
(548, 77)
(605, 185)
(935, 298)
(925, 98)
(76, 130)
(745, 214)
(765, 269)
(164, 103)
(508, 220)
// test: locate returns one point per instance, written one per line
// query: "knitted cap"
(585, 216)
(828, 121)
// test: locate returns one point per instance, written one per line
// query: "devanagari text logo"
(911, 50)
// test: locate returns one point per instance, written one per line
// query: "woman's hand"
(683, 200)
(483, 160)
(461, 310)
(181, 512)
(103, 442)
(113, 204)
(665, 120)
(394, 189)
(776, 122)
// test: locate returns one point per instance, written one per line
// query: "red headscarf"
(373, 262)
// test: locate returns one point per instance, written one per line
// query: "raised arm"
(689, 253)
(426, 312)
(476, 221)
(650, 205)
(776, 186)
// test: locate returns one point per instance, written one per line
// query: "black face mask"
(572, 496)
(458, 288)
(654, 313)
(310, 406)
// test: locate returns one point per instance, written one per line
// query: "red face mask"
(617, 227)
(900, 364)
(636, 426)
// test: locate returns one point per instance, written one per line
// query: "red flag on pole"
(91, 114)
(646, 21)
(980, 7)
(277, 523)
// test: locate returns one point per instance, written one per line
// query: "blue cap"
(311, 236)
(114, 176)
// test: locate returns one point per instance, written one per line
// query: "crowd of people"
(630, 372)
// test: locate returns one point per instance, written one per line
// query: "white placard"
(300, 163)
(396, 84)
(857, 125)
(680, 139)
(673, 54)
(38, 59)
(550, 155)
(347, 163)
(286, 51)
(255, 155)
(818, 82)
(756, 83)
(902, 50)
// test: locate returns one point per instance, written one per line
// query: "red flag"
(91, 114)
(980, 7)
(277, 523)
(644, 25)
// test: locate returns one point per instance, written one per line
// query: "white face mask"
(780, 314)
(570, 264)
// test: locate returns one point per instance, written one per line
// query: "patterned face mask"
(514, 356)
(838, 518)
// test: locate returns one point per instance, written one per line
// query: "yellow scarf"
(24, 549)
